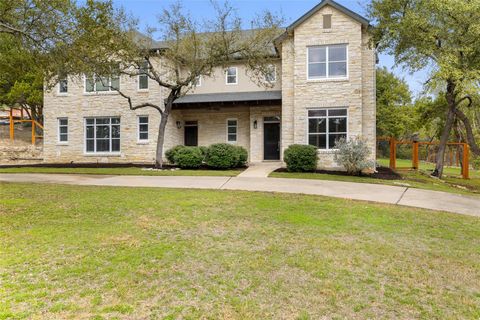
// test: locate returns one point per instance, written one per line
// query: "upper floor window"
(232, 125)
(326, 126)
(96, 83)
(143, 128)
(63, 85)
(63, 130)
(231, 75)
(197, 82)
(143, 76)
(327, 62)
(271, 75)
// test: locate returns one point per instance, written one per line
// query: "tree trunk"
(160, 140)
(450, 95)
(468, 128)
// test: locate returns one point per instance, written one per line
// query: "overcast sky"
(147, 10)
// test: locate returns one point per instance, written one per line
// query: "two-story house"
(324, 89)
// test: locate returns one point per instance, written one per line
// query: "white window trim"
(138, 83)
(274, 73)
(236, 76)
(143, 141)
(101, 153)
(327, 133)
(58, 90)
(327, 78)
(58, 130)
(236, 131)
(199, 82)
(95, 92)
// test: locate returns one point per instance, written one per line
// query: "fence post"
(33, 132)
(12, 134)
(393, 154)
(465, 173)
(415, 155)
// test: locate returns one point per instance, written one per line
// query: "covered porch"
(247, 119)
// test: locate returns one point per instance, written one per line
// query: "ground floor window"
(143, 128)
(232, 125)
(63, 130)
(102, 135)
(326, 126)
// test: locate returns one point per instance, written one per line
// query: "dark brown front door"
(271, 141)
(191, 133)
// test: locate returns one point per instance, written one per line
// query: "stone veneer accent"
(298, 95)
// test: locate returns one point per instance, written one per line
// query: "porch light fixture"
(179, 125)
(255, 124)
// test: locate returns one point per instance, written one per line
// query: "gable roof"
(318, 7)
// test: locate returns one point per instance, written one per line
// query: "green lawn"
(138, 253)
(123, 171)
(452, 181)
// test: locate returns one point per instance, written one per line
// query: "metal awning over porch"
(251, 98)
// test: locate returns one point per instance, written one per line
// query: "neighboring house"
(324, 89)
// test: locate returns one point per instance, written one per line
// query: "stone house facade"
(322, 88)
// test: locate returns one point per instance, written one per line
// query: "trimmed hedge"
(242, 156)
(300, 158)
(188, 157)
(225, 156)
(170, 153)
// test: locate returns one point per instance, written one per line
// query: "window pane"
(142, 119)
(63, 130)
(232, 129)
(271, 75)
(232, 137)
(103, 120)
(332, 138)
(116, 131)
(115, 83)
(103, 145)
(337, 53)
(63, 137)
(90, 132)
(143, 82)
(317, 125)
(317, 113)
(143, 136)
(90, 145)
(318, 140)
(116, 145)
(63, 122)
(232, 71)
(231, 79)
(337, 69)
(337, 125)
(143, 127)
(232, 122)
(327, 21)
(103, 132)
(90, 121)
(89, 85)
(115, 120)
(101, 84)
(317, 54)
(317, 70)
(63, 85)
(337, 112)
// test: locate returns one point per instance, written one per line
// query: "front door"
(271, 140)
(191, 133)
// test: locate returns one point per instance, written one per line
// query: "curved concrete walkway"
(419, 198)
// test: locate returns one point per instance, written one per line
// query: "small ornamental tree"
(189, 49)
(353, 155)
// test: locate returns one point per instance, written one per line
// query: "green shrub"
(476, 163)
(188, 157)
(353, 155)
(170, 153)
(242, 156)
(204, 150)
(222, 156)
(300, 158)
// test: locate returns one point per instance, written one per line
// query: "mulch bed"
(383, 173)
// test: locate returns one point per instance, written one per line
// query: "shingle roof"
(230, 97)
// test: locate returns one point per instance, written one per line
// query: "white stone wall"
(357, 93)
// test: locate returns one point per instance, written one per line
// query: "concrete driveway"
(419, 198)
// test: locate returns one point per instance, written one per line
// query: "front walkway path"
(426, 199)
(260, 169)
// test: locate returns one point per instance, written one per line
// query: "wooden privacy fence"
(32, 121)
(393, 143)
